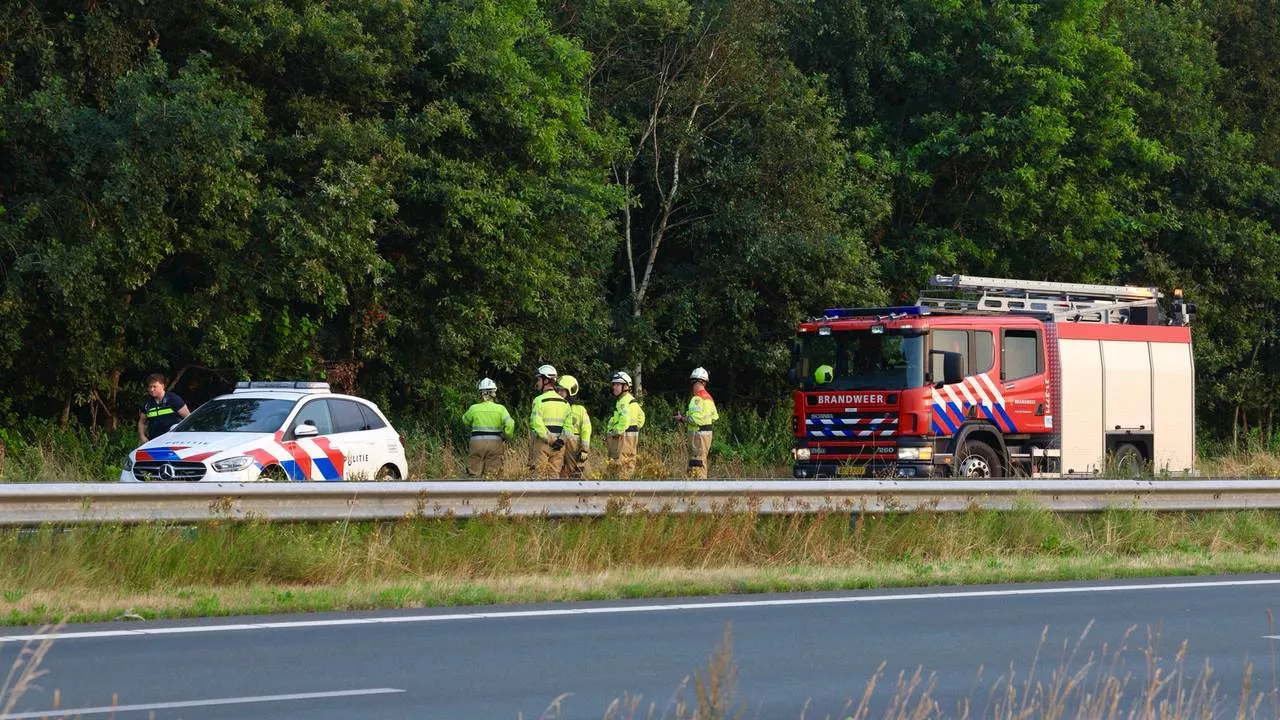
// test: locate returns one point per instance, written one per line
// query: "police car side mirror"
(305, 430)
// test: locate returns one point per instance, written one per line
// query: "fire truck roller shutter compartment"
(1081, 417)
(1128, 385)
(1174, 398)
(1126, 381)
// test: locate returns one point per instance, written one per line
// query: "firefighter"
(491, 427)
(546, 423)
(624, 427)
(577, 430)
(823, 374)
(697, 419)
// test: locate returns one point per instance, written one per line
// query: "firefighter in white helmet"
(577, 429)
(546, 423)
(698, 418)
(491, 426)
(624, 426)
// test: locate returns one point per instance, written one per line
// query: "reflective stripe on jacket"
(701, 412)
(489, 418)
(627, 414)
(579, 425)
(548, 415)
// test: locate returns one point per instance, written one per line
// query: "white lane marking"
(619, 609)
(72, 712)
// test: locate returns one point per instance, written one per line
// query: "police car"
(274, 431)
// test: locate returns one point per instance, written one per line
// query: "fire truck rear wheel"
(977, 459)
(1128, 461)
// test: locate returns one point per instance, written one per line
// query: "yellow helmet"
(570, 383)
(824, 374)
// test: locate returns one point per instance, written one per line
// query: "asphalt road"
(796, 655)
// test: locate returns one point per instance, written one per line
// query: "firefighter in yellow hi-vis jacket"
(577, 430)
(491, 426)
(698, 418)
(624, 427)
(546, 422)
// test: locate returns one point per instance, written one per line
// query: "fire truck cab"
(1001, 378)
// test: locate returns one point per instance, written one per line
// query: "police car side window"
(316, 413)
(371, 419)
(346, 416)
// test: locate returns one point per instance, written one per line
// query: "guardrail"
(75, 503)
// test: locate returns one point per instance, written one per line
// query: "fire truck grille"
(851, 425)
(160, 471)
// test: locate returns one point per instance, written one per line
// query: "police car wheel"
(387, 472)
(274, 473)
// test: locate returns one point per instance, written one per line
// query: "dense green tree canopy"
(403, 196)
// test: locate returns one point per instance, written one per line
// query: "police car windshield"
(248, 415)
(861, 360)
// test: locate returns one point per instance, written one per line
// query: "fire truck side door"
(1022, 380)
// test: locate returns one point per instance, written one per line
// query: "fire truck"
(995, 377)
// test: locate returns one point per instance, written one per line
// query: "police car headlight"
(915, 453)
(801, 453)
(128, 463)
(232, 464)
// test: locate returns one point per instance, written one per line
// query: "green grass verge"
(219, 568)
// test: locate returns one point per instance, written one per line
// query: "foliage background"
(403, 196)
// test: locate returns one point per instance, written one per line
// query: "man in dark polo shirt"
(161, 411)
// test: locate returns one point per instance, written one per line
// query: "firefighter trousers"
(572, 469)
(622, 454)
(485, 457)
(699, 447)
(544, 462)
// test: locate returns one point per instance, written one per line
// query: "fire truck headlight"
(915, 453)
(801, 453)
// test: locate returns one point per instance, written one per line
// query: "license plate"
(849, 470)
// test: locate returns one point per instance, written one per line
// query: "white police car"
(274, 431)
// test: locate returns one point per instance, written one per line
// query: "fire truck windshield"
(860, 360)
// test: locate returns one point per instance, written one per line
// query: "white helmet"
(621, 377)
(700, 373)
(487, 385)
(548, 371)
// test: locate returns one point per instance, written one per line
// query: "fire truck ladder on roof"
(1080, 302)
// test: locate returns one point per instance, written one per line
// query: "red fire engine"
(1006, 378)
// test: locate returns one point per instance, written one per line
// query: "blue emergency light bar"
(903, 310)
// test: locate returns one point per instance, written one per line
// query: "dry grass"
(660, 455)
(25, 671)
(1242, 464)
(230, 568)
(1084, 684)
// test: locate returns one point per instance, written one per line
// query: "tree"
(1007, 131)
(1219, 239)
(708, 106)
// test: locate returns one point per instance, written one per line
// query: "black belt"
(486, 434)
(555, 428)
(704, 428)
(633, 428)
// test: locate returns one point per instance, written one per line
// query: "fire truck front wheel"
(977, 459)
